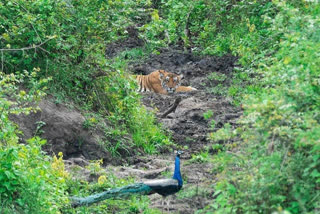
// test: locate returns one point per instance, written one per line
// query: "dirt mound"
(63, 129)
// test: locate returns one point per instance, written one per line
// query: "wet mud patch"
(187, 123)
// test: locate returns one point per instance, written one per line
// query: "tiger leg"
(185, 88)
(139, 81)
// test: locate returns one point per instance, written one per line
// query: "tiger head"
(170, 81)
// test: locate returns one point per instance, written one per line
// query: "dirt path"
(187, 125)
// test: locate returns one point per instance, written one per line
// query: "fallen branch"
(173, 108)
(24, 49)
(151, 174)
(28, 48)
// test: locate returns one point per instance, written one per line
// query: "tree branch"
(28, 48)
(2, 61)
(24, 49)
(187, 33)
(173, 107)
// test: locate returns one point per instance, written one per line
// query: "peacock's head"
(178, 153)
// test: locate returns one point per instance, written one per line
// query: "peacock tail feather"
(138, 188)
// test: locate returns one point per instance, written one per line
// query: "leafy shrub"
(66, 40)
(30, 181)
(211, 26)
(279, 156)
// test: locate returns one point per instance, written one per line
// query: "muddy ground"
(187, 125)
(63, 128)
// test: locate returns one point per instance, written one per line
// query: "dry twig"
(28, 48)
(23, 49)
(173, 107)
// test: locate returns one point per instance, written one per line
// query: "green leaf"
(315, 173)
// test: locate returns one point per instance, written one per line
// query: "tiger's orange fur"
(162, 82)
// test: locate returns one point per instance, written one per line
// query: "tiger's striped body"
(162, 82)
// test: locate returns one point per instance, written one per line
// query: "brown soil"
(62, 127)
(187, 125)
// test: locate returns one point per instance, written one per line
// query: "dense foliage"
(276, 163)
(31, 182)
(64, 41)
(273, 162)
(281, 159)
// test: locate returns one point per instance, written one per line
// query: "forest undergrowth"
(58, 48)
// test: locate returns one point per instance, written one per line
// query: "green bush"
(279, 155)
(66, 40)
(30, 181)
(211, 26)
(127, 115)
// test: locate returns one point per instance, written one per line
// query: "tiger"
(162, 82)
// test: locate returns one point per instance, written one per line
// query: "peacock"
(163, 187)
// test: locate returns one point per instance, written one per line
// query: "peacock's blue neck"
(177, 174)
